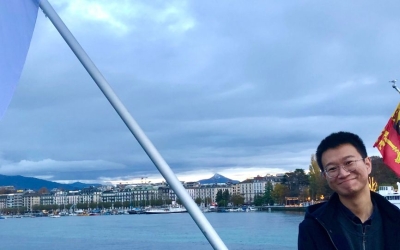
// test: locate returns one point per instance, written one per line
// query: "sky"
(236, 88)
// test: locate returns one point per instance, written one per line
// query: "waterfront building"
(90, 195)
(30, 199)
(246, 190)
(73, 197)
(3, 201)
(14, 200)
(137, 194)
(145, 193)
(208, 191)
(47, 199)
(60, 197)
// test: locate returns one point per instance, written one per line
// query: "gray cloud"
(216, 86)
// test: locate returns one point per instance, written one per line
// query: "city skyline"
(218, 88)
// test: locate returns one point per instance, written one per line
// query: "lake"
(238, 230)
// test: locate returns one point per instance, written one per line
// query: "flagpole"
(199, 218)
(394, 85)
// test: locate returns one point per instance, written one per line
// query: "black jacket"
(320, 229)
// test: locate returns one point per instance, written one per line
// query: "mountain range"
(21, 182)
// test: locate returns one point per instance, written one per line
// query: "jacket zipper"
(364, 229)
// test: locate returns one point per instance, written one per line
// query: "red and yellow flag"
(388, 142)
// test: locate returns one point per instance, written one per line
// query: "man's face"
(347, 183)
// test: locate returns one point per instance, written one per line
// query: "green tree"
(117, 204)
(296, 181)
(81, 205)
(127, 203)
(318, 185)
(237, 199)
(226, 195)
(268, 199)
(198, 200)
(258, 200)
(92, 205)
(207, 201)
(279, 193)
(218, 196)
(222, 198)
(107, 205)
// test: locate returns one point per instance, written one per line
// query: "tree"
(237, 199)
(81, 205)
(92, 205)
(222, 198)
(382, 174)
(117, 204)
(279, 193)
(296, 181)
(268, 199)
(198, 200)
(218, 196)
(107, 205)
(207, 201)
(43, 190)
(126, 204)
(318, 185)
(226, 196)
(258, 200)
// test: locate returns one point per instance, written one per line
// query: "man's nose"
(343, 172)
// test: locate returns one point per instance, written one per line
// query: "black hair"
(335, 140)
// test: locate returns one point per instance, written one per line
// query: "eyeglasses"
(332, 171)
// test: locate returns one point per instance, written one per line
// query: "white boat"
(251, 209)
(166, 210)
(54, 216)
(391, 194)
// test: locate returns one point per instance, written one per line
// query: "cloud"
(233, 88)
(48, 167)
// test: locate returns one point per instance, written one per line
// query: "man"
(354, 217)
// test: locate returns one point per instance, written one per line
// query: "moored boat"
(166, 210)
(391, 194)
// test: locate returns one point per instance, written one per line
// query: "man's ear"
(368, 162)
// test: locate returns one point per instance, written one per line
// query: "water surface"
(253, 230)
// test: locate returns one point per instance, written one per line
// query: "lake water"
(253, 230)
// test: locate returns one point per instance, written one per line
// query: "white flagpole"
(140, 136)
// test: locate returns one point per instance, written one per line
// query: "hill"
(21, 182)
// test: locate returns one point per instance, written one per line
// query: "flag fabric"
(388, 142)
(17, 21)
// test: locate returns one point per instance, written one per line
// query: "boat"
(166, 210)
(135, 211)
(392, 195)
(252, 209)
(55, 216)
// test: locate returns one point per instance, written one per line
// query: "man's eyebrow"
(343, 158)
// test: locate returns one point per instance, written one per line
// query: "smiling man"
(354, 217)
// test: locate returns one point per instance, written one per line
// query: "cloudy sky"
(232, 87)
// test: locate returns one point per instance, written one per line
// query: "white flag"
(17, 21)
